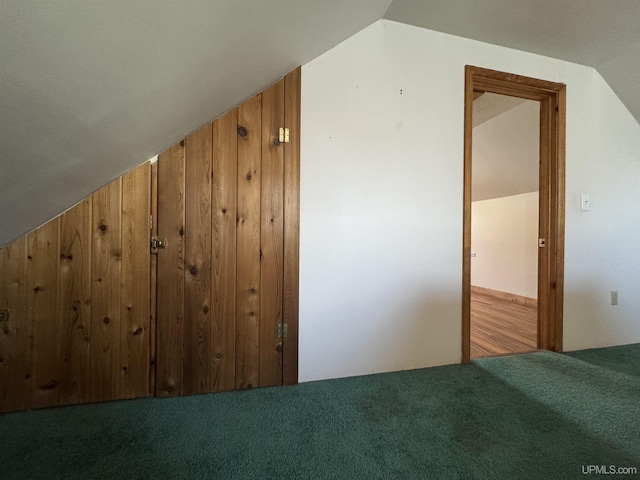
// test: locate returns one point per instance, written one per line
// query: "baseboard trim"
(509, 297)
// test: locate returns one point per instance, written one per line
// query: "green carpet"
(536, 416)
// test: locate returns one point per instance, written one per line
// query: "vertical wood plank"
(291, 226)
(42, 288)
(271, 236)
(197, 283)
(223, 272)
(170, 313)
(248, 244)
(134, 328)
(75, 302)
(543, 223)
(466, 227)
(153, 284)
(105, 292)
(15, 353)
(558, 216)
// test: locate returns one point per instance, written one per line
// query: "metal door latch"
(157, 244)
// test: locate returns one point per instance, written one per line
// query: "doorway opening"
(504, 225)
(539, 293)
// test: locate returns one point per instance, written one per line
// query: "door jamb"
(552, 98)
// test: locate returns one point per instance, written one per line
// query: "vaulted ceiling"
(90, 89)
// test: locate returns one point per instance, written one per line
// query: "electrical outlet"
(4, 315)
(614, 298)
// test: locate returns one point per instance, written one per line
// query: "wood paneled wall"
(93, 316)
(228, 207)
(77, 290)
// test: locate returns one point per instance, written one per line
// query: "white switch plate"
(585, 202)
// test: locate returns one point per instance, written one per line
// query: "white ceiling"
(89, 89)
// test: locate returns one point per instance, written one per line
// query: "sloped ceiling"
(90, 89)
(603, 34)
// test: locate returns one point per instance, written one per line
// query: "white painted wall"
(381, 202)
(504, 237)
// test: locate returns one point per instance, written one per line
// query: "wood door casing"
(552, 98)
(228, 207)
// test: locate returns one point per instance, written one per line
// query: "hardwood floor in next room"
(500, 327)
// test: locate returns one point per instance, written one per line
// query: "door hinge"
(157, 244)
(283, 329)
(283, 135)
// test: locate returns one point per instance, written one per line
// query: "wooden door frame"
(552, 98)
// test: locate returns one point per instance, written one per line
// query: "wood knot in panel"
(181, 232)
(279, 348)
(49, 385)
(249, 177)
(182, 143)
(252, 291)
(242, 131)
(106, 320)
(138, 331)
(218, 355)
(205, 309)
(193, 270)
(102, 227)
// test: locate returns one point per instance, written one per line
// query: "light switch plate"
(585, 202)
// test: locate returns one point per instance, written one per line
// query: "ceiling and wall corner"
(597, 33)
(506, 148)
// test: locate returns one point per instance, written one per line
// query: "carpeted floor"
(535, 416)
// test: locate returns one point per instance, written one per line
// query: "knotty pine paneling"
(15, 346)
(223, 272)
(229, 278)
(290, 303)
(248, 244)
(74, 302)
(42, 294)
(61, 283)
(170, 284)
(106, 257)
(135, 285)
(197, 284)
(271, 236)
